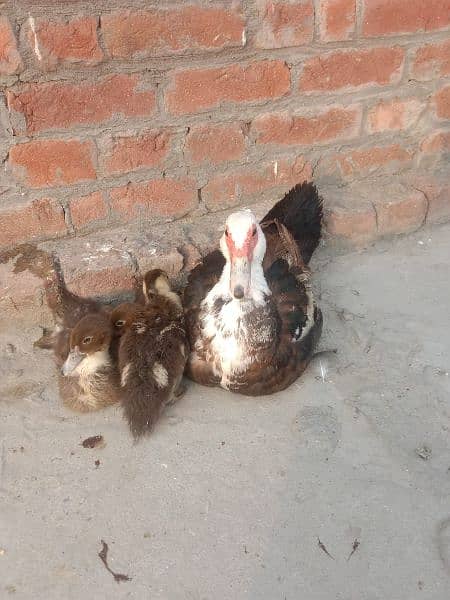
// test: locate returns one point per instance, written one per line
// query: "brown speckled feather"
(283, 362)
(151, 359)
(201, 280)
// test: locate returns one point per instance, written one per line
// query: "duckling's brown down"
(89, 379)
(67, 309)
(152, 355)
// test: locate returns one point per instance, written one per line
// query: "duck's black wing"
(300, 211)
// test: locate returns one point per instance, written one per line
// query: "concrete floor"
(229, 496)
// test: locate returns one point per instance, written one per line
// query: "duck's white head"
(243, 245)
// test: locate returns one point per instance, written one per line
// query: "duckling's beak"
(72, 361)
(240, 277)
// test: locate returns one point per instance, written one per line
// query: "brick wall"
(114, 114)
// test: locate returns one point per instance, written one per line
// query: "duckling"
(156, 283)
(152, 353)
(67, 309)
(89, 378)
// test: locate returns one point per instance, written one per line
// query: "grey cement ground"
(229, 496)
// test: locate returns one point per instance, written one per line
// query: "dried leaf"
(95, 441)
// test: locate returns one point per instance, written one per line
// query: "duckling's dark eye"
(87, 339)
(120, 323)
(227, 233)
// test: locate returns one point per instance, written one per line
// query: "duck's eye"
(254, 232)
(87, 339)
(120, 323)
(227, 233)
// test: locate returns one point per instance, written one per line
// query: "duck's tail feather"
(67, 307)
(141, 402)
(141, 412)
(55, 289)
(46, 341)
(300, 211)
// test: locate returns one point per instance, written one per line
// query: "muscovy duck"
(250, 313)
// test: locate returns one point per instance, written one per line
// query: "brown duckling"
(67, 309)
(152, 354)
(89, 378)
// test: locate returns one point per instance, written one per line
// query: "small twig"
(103, 555)
(325, 352)
(323, 548)
(354, 549)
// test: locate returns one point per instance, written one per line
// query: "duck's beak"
(240, 277)
(72, 361)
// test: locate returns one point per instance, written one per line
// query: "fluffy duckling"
(67, 309)
(89, 379)
(152, 353)
(88, 384)
(156, 283)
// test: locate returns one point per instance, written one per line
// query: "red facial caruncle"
(246, 249)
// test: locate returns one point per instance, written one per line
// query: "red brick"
(435, 151)
(442, 103)
(399, 210)
(215, 143)
(285, 24)
(437, 142)
(439, 204)
(337, 19)
(354, 68)
(158, 248)
(144, 33)
(63, 105)
(96, 265)
(156, 199)
(248, 183)
(10, 61)
(355, 223)
(130, 153)
(437, 191)
(106, 281)
(19, 291)
(283, 128)
(369, 160)
(385, 17)
(432, 61)
(170, 261)
(74, 41)
(195, 90)
(42, 163)
(394, 114)
(86, 209)
(100, 263)
(26, 221)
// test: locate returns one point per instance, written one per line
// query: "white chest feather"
(91, 364)
(232, 332)
(227, 331)
(235, 337)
